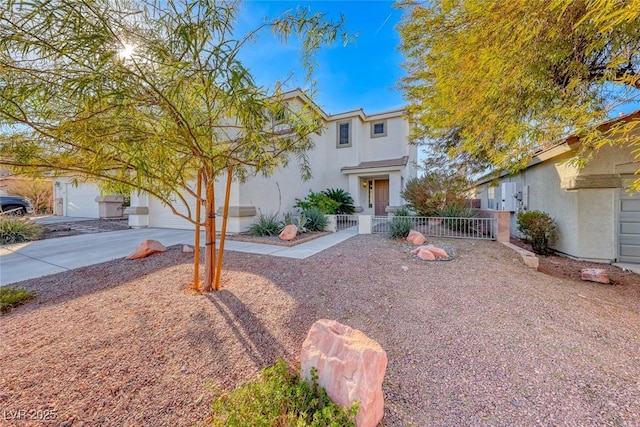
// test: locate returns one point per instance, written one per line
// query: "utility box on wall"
(508, 200)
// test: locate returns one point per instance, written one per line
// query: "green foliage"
(539, 230)
(280, 398)
(346, 206)
(301, 221)
(319, 201)
(12, 296)
(428, 194)
(399, 227)
(16, 230)
(317, 220)
(490, 83)
(265, 225)
(457, 216)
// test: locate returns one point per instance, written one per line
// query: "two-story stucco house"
(368, 155)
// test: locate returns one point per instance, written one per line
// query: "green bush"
(316, 220)
(345, 200)
(280, 398)
(16, 230)
(539, 229)
(265, 225)
(460, 211)
(11, 297)
(399, 227)
(318, 201)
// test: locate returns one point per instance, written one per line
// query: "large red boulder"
(147, 248)
(416, 238)
(350, 366)
(289, 232)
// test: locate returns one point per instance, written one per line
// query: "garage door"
(81, 201)
(629, 228)
(161, 216)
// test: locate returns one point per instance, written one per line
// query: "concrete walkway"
(29, 260)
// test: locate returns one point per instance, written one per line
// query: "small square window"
(378, 129)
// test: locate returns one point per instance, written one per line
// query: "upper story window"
(379, 129)
(344, 137)
(279, 115)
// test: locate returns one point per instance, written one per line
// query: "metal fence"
(463, 228)
(346, 221)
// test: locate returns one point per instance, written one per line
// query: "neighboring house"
(597, 218)
(75, 199)
(367, 155)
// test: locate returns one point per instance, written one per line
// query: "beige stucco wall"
(585, 217)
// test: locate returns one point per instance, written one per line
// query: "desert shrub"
(280, 397)
(345, 200)
(539, 229)
(399, 227)
(402, 211)
(318, 201)
(16, 230)
(301, 221)
(316, 220)
(429, 194)
(265, 225)
(457, 216)
(11, 297)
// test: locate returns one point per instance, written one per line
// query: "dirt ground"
(479, 340)
(568, 268)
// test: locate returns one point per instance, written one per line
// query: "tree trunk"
(196, 250)
(225, 216)
(210, 236)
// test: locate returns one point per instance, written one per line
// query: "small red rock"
(426, 254)
(289, 232)
(598, 275)
(416, 238)
(147, 248)
(439, 253)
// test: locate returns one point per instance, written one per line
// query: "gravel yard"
(479, 340)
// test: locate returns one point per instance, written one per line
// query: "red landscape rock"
(147, 248)
(595, 275)
(289, 232)
(416, 238)
(439, 252)
(426, 254)
(350, 365)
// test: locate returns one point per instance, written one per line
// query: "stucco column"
(354, 188)
(395, 187)
(138, 211)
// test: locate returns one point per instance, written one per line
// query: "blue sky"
(364, 74)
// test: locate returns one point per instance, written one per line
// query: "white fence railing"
(464, 228)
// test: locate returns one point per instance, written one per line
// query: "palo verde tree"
(149, 95)
(492, 82)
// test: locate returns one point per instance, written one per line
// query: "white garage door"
(629, 228)
(81, 201)
(161, 216)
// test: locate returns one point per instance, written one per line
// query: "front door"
(381, 196)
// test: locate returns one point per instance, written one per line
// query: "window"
(344, 134)
(279, 115)
(378, 129)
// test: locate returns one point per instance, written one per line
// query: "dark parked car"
(13, 205)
